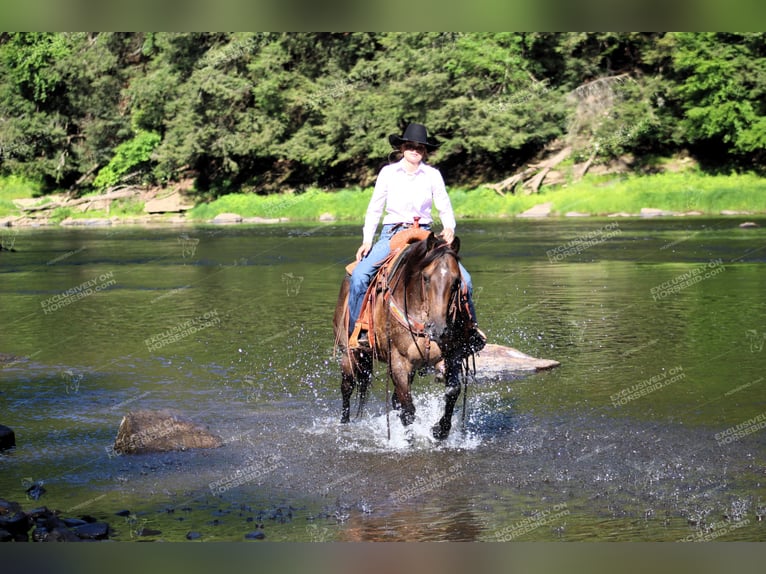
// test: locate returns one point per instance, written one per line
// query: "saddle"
(398, 243)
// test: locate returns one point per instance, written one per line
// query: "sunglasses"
(420, 148)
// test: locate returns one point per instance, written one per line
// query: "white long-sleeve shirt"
(407, 195)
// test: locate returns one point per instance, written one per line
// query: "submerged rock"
(7, 438)
(46, 525)
(160, 431)
(92, 531)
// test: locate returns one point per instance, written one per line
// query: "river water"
(651, 429)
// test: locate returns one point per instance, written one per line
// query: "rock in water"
(93, 531)
(7, 438)
(495, 360)
(160, 431)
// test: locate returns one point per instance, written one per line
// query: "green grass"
(343, 204)
(14, 187)
(597, 195)
(680, 192)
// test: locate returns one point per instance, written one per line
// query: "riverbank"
(665, 194)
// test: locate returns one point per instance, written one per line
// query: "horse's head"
(433, 280)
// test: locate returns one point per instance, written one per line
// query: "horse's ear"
(456, 244)
(431, 241)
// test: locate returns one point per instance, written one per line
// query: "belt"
(402, 226)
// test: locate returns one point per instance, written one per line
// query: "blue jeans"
(366, 268)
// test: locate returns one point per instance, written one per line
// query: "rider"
(406, 189)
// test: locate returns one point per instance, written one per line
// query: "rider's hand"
(448, 234)
(363, 250)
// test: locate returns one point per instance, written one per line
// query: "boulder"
(541, 210)
(7, 438)
(92, 531)
(263, 220)
(148, 431)
(227, 218)
(494, 360)
(47, 525)
(654, 212)
(173, 203)
(85, 222)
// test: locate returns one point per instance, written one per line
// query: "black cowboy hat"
(414, 133)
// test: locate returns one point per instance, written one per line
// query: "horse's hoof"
(407, 418)
(439, 432)
(344, 420)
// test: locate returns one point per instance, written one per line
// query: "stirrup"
(361, 341)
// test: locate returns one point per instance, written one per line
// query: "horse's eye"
(426, 278)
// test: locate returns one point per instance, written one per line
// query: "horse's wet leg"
(408, 414)
(403, 374)
(441, 429)
(348, 382)
(346, 388)
(363, 377)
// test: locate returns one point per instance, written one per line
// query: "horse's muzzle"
(436, 331)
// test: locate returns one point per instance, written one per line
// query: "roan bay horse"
(419, 317)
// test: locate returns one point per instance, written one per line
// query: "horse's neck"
(407, 291)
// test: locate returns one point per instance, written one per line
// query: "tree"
(720, 84)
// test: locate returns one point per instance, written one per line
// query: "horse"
(419, 318)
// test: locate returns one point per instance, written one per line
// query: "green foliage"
(32, 60)
(721, 88)
(127, 157)
(284, 111)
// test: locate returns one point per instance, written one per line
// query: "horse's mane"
(420, 254)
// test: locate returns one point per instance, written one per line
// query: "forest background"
(294, 113)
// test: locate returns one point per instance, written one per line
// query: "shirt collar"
(400, 167)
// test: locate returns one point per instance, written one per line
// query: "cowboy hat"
(414, 133)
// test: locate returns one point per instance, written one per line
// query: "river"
(651, 429)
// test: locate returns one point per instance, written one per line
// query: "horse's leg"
(347, 384)
(403, 374)
(452, 381)
(355, 369)
(363, 376)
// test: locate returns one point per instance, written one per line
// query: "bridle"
(417, 329)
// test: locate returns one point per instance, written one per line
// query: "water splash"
(370, 432)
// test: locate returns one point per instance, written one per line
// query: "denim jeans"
(366, 268)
